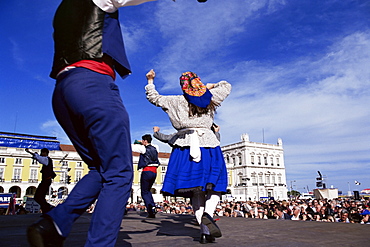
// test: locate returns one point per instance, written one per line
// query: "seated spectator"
(189, 209)
(260, 211)
(237, 212)
(183, 210)
(317, 217)
(343, 216)
(271, 210)
(325, 214)
(310, 213)
(265, 214)
(296, 213)
(254, 210)
(227, 210)
(219, 211)
(280, 214)
(246, 209)
(355, 217)
(365, 217)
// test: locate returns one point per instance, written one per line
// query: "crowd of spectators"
(335, 210)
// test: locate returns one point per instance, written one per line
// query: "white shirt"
(111, 6)
(295, 217)
(41, 159)
(138, 148)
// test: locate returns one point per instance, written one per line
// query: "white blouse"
(177, 108)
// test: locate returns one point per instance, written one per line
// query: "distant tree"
(293, 193)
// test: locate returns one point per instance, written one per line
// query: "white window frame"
(17, 173)
(33, 174)
(78, 175)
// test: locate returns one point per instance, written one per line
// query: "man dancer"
(149, 162)
(86, 102)
(48, 173)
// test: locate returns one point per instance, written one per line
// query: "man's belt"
(150, 169)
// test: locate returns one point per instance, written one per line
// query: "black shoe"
(205, 239)
(210, 238)
(154, 210)
(44, 234)
(210, 223)
(152, 213)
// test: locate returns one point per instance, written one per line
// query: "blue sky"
(299, 70)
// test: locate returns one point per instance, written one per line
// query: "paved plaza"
(182, 230)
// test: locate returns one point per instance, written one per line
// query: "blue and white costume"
(88, 106)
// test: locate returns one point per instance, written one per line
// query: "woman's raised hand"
(150, 76)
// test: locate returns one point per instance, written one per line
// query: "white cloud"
(199, 33)
(52, 128)
(134, 37)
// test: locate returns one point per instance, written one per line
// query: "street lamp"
(245, 185)
(243, 181)
(258, 189)
(291, 185)
(291, 188)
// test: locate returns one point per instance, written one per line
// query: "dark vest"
(82, 31)
(48, 171)
(150, 157)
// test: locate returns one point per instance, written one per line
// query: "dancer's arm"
(160, 136)
(111, 6)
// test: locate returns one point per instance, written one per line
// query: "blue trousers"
(89, 108)
(146, 182)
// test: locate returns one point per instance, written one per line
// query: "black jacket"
(82, 31)
(150, 157)
(48, 171)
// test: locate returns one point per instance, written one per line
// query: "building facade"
(256, 170)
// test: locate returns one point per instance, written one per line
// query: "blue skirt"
(186, 175)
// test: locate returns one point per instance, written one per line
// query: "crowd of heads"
(178, 207)
(335, 210)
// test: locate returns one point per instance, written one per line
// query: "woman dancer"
(196, 167)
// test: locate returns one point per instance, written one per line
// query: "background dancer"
(196, 167)
(47, 175)
(149, 163)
